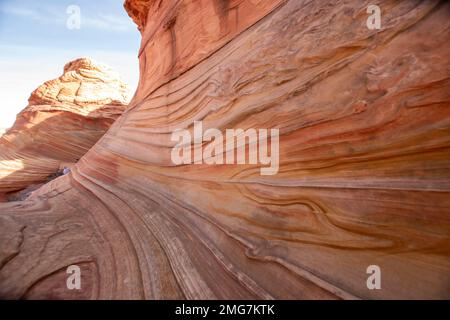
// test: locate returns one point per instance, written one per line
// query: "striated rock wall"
(364, 162)
(64, 118)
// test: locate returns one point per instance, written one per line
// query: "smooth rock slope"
(364, 175)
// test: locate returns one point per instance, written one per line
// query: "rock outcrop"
(64, 118)
(364, 175)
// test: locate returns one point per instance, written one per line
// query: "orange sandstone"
(64, 118)
(364, 175)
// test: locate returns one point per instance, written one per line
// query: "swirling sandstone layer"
(364, 124)
(64, 118)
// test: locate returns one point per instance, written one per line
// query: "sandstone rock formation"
(64, 118)
(364, 173)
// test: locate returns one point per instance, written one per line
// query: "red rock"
(64, 118)
(364, 157)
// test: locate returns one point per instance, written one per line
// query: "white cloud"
(52, 15)
(41, 16)
(107, 22)
(21, 12)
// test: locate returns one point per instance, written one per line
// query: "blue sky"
(35, 43)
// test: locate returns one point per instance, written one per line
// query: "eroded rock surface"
(64, 118)
(364, 174)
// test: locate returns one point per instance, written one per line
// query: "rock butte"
(364, 123)
(64, 118)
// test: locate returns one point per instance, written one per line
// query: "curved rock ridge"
(64, 118)
(364, 176)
